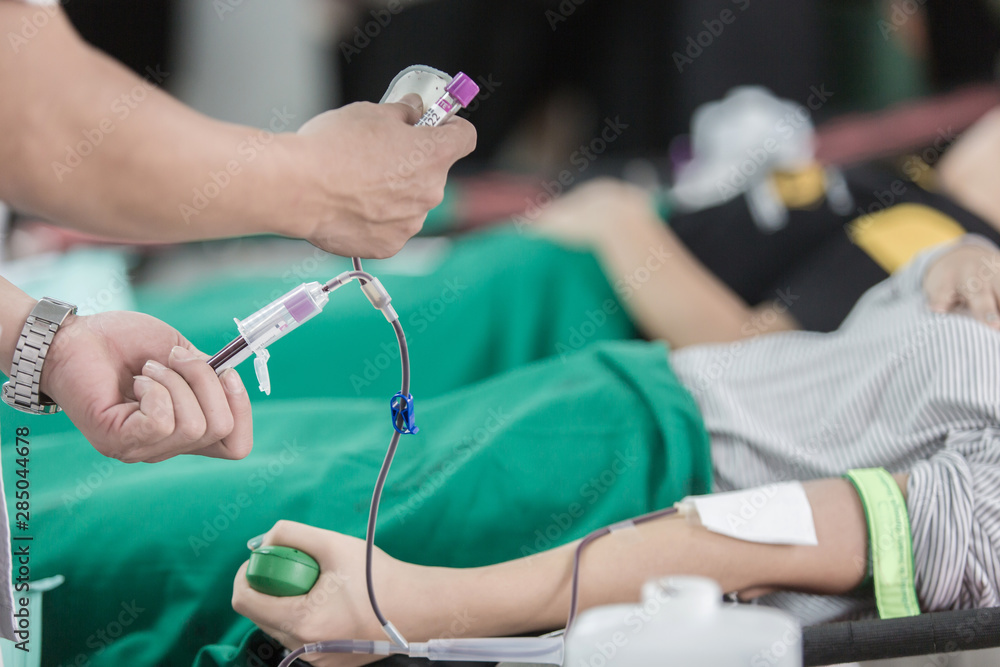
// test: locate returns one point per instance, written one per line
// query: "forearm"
(91, 145)
(16, 306)
(667, 291)
(533, 593)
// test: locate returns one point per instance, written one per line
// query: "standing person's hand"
(368, 177)
(138, 391)
(358, 180)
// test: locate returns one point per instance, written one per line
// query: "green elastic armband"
(890, 542)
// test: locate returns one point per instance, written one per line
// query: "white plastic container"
(682, 621)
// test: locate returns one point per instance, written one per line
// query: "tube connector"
(395, 636)
(379, 297)
(377, 294)
(338, 282)
(689, 511)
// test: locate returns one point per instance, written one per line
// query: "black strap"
(938, 632)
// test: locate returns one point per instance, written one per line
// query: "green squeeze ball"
(281, 571)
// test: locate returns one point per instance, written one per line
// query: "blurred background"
(553, 66)
(891, 81)
(880, 79)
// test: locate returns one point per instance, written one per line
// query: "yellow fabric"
(892, 237)
(802, 188)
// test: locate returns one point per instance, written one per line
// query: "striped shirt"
(897, 386)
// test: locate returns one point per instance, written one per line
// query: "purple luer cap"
(463, 89)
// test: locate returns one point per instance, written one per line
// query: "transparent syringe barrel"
(538, 650)
(283, 315)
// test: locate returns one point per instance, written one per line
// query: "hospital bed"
(945, 632)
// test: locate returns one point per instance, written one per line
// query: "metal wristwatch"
(22, 392)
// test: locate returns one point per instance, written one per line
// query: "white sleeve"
(910, 278)
(954, 504)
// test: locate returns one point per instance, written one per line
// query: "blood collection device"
(457, 95)
(267, 325)
(286, 313)
(282, 571)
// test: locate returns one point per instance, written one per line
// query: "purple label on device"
(300, 306)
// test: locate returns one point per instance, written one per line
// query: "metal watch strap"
(22, 392)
